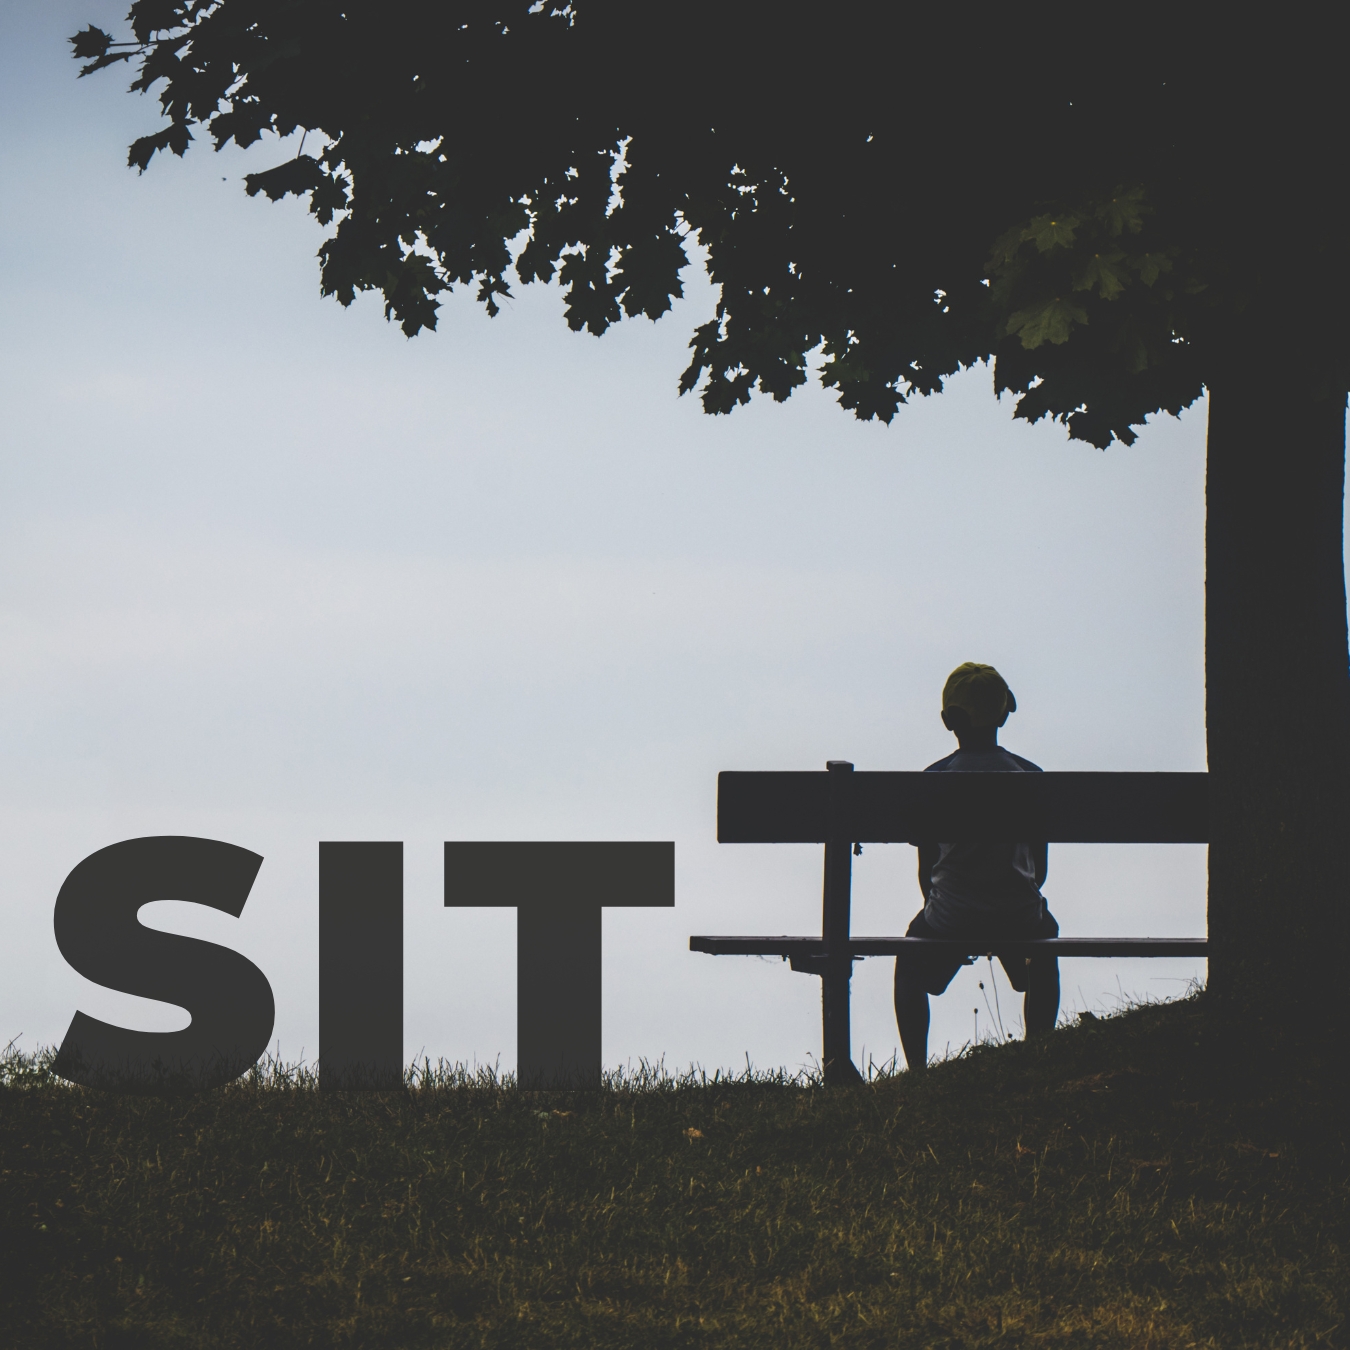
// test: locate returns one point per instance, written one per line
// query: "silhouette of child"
(978, 891)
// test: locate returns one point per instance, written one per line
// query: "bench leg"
(837, 969)
(835, 1029)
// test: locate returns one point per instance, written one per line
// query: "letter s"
(98, 933)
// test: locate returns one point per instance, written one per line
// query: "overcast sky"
(271, 573)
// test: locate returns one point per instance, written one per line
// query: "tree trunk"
(1277, 683)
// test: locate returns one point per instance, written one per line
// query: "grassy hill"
(1125, 1182)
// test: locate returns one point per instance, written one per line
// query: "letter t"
(558, 891)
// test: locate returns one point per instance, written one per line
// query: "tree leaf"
(1048, 232)
(1124, 212)
(1052, 321)
(1106, 272)
(175, 138)
(1151, 266)
(90, 43)
(94, 46)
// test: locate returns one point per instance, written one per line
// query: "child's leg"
(911, 1016)
(920, 971)
(1040, 1006)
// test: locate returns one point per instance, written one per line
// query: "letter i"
(360, 966)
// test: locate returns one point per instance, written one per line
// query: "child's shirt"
(978, 888)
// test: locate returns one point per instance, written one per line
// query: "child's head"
(976, 700)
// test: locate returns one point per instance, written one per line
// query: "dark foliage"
(1105, 201)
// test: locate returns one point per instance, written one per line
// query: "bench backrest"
(883, 808)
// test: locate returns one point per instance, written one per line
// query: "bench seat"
(858, 947)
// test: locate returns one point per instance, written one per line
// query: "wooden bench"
(843, 809)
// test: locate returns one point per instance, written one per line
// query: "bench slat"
(1088, 808)
(890, 946)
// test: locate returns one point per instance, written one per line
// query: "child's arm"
(928, 855)
(1040, 855)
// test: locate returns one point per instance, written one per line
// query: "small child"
(979, 891)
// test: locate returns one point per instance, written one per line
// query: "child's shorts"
(934, 969)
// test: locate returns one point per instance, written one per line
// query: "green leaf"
(1049, 322)
(1125, 211)
(1006, 246)
(1151, 266)
(1048, 232)
(1105, 271)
